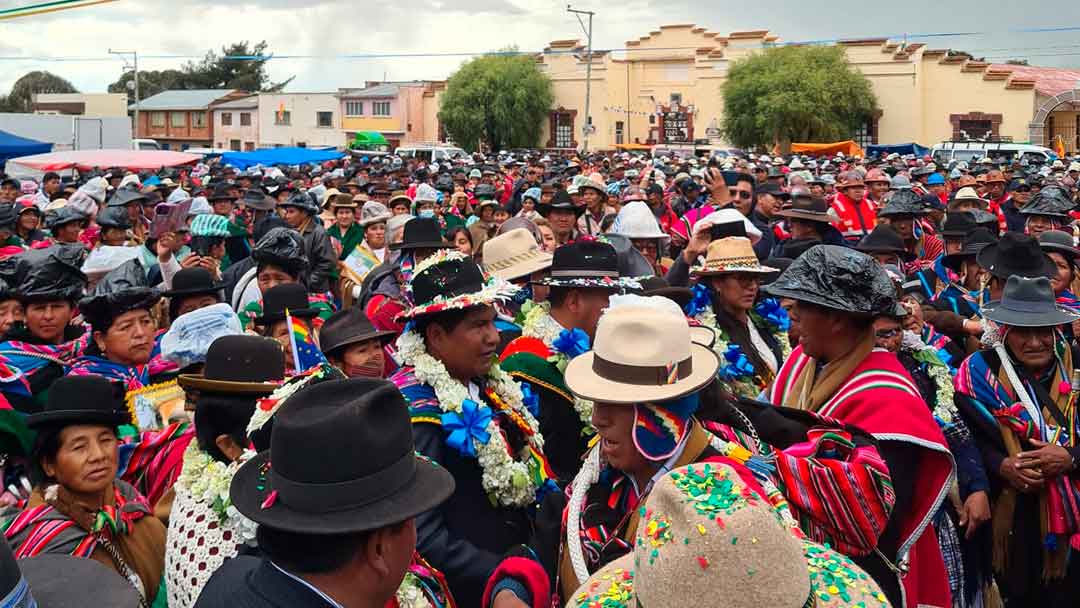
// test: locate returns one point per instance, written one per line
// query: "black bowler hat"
(884, 239)
(451, 280)
(239, 365)
(1017, 254)
(343, 461)
(1028, 302)
(291, 296)
(193, 281)
(560, 200)
(349, 326)
(421, 233)
(125, 196)
(256, 199)
(82, 400)
(586, 264)
(973, 244)
(220, 193)
(1059, 241)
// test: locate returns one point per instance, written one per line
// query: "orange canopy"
(848, 147)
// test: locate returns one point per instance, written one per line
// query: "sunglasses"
(884, 334)
(743, 194)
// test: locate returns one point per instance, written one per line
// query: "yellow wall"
(370, 123)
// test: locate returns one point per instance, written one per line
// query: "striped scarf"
(132, 377)
(19, 361)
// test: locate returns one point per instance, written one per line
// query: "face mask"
(428, 213)
(366, 370)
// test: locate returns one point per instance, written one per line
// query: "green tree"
(498, 99)
(21, 97)
(795, 94)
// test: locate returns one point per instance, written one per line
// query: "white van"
(430, 153)
(972, 151)
(145, 144)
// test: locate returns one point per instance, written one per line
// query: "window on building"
(234, 145)
(564, 131)
(178, 119)
(301, 144)
(324, 119)
(976, 129)
(157, 119)
(864, 135)
(198, 120)
(245, 119)
(380, 108)
(249, 146)
(283, 118)
(619, 128)
(161, 145)
(226, 119)
(354, 108)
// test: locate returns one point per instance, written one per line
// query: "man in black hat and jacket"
(300, 213)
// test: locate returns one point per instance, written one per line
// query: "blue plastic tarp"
(13, 146)
(279, 156)
(901, 149)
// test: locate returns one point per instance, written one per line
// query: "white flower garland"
(267, 406)
(538, 323)
(410, 594)
(507, 481)
(207, 480)
(944, 409)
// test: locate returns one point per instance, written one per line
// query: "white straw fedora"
(641, 354)
(514, 254)
(636, 221)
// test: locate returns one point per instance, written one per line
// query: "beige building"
(667, 89)
(81, 104)
(236, 124)
(300, 119)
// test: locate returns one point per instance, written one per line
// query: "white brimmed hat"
(514, 254)
(636, 221)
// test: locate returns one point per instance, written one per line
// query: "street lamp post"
(135, 71)
(588, 71)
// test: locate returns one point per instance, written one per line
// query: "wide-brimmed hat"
(973, 244)
(811, 209)
(560, 200)
(110, 217)
(373, 212)
(341, 460)
(82, 400)
(884, 239)
(1017, 254)
(969, 194)
(730, 255)
(220, 192)
(589, 264)
(291, 296)
(256, 199)
(451, 280)
(66, 581)
(125, 196)
(1049, 203)
(303, 201)
(839, 278)
(595, 181)
(194, 281)
(1059, 241)
(641, 355)
(421, 233)
(708, 530)
(957, 224)
(903, 202)
(514, 254)
(239, 365)
(341, 200)
(658, 286)
(350, 326)
(636, 221)
(1028, 302)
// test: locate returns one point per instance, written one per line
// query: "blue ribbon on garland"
(572, 342)
(737, 366)
(773, 313)
(700, 301)
(471, 423)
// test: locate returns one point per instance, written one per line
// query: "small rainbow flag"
(306, 353)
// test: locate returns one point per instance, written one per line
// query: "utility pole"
(588, 70)
(135, 70)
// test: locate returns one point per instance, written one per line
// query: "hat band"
(643, 375)
(359, 492)
(1027, 306)
(749, 262)
(584, 273)
(514, 259)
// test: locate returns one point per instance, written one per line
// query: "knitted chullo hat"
(209, 224)
(707, 531)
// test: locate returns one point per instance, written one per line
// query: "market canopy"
(85, 160)
(912, 148)
(369, 138)
(269, 157)
(848, 148)
(13, 146)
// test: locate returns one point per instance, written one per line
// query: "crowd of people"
(523, 380)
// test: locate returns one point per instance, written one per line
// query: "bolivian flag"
(306, 353)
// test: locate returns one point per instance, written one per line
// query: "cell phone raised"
(169, 217)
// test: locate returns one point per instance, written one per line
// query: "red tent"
(85, 160)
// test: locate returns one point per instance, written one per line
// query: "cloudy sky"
(442, 28)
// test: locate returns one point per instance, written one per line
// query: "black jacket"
(248, 582)
(322, 260)
(768, 238)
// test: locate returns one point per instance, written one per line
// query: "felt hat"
(560, 200)
(636, 221)
(957, 224)
(291, 296)
(421, 233)
(969, 194)
(658, 286)
(451, 280)
(733, 254)
(588, 264)
(341, 200)
(303, 201)
(82, 400)
(65, 581)
(1028, 302)
(810, 209)
(125, 196)
(708, 530)
(350, 326)
(194, 281)
(884, 239)
(343, 460)
(239, 365)
(974, 242)
(1059, 241)
(514, 254)
(1017, 254)
(254, 198)
(641, 354)
(838, 278)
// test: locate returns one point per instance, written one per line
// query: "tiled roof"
(195, 99)
(1048, 81)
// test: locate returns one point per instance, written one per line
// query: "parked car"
(972, 151)
(429, 153)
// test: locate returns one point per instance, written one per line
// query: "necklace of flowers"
(410, 593)
(475, 432)
(207, 480)
(538, 323)
(944, 408)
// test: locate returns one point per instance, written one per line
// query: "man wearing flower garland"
(470, 417)
(583, 276)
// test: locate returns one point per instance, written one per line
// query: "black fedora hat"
(903, 202)
(973, 244)
(220, 192)
(239, 365)
(291, 296)
(884, 239)
(349, 326)
(560, 200)
(1059, 241)
(255, 198)
(1017, 254)
(82, 400)
(193, 281)
(958, 224)
(658, 286)
(586, 264)
(421, 233)
(1028, 302)
(451, 280)
(343, 461)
